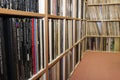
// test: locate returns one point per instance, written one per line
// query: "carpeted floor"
(98, 66)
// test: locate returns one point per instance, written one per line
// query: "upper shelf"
(103, 4)
(64, 17)
(104, 36)
(113, 20)
(56, 17)
(4, 11)
(10, 12)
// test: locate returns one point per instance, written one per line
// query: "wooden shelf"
(84, 19)
(114, 20)
(103, 4)
(62, 17)
(69, 18)
(101, 51)
(74, 69)
(51, 64)
(103, 36)
(4, 11)
(56, 17)
(77, 19)
(38, 74)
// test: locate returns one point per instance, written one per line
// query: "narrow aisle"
(98, 66)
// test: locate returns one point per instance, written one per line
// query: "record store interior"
(59, 39)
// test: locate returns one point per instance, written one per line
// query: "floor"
(98, 66)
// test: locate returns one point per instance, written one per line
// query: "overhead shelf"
(10, 12)
(103, 4)
(62, 17)
(103, 36)
(104, 20)
(56, 17)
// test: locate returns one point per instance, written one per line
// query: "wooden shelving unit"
(101, 34)
(71, 30)
(46, 16)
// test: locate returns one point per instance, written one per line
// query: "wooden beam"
(11, 12)
(37, 75)
(51, 64)
(113, 20)
(103, 4)
(107, 36)
(46, 37)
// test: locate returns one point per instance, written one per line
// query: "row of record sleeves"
(101, 1)
(58, 33)
(20, 48)
(24, 5)
(110, 12)
(103, 44)
(103, 28)
(65, 7)
(22, 45)
(55, 7)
